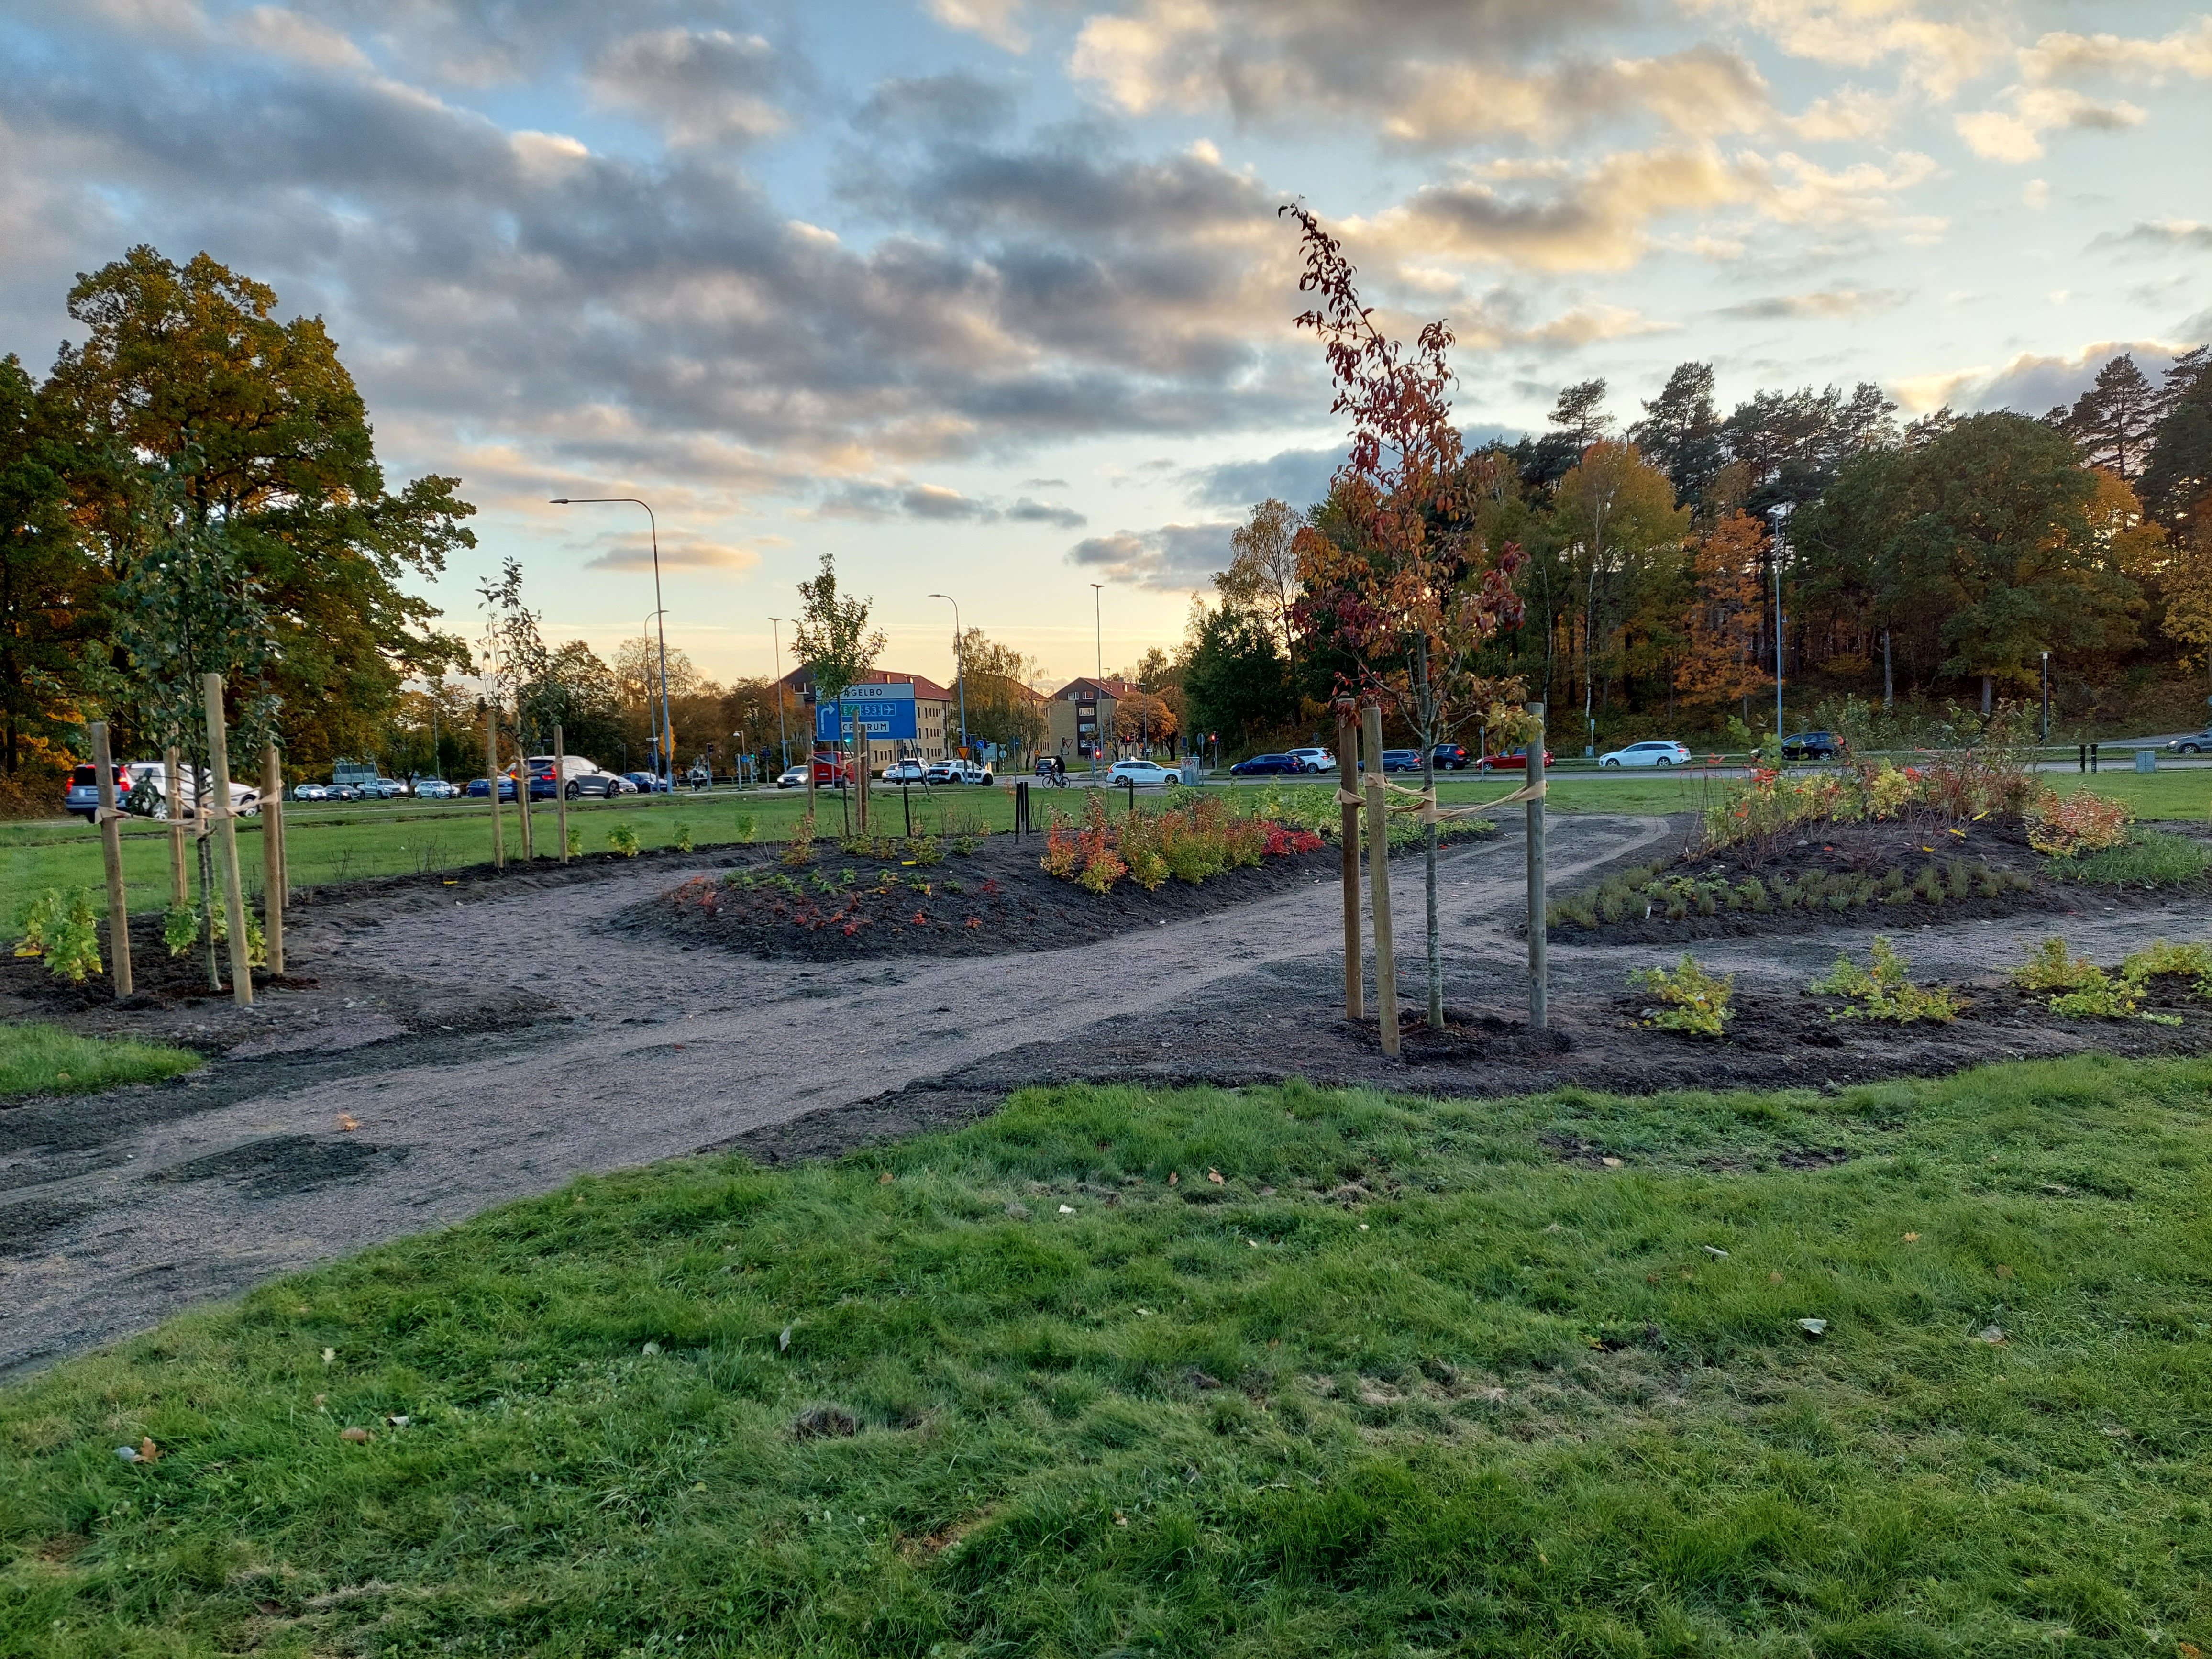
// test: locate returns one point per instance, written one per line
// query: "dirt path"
(355, 1111)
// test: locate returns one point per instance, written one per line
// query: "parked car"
(478, 789)
(2196, 743)
(322, 791)
(343, 792)
(1659, 751)
(1452, 758)
(382, 789)
(1401, 760)
(1810, 745)
(647, 783)
(831, 770)
(1515, 760)
(792, 778)
(432, 789)
(1265, 766)
(906, 771)
(607, 785)
(81, 798)
(1314, 760)
(1142, 771)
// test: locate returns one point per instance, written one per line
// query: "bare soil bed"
(996, 901)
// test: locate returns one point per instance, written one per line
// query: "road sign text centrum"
(881, 711)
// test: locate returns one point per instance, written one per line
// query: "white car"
(958, 771)
(1665, 753)
(794, 779)
(311, 792)
(433, 789)
(906, 771)
(1312, 760)
(1141, 771)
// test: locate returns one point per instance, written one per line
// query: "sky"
(991, 298)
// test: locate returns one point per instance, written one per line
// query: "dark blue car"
(479, 789)
(1265, 766)
(648, 783)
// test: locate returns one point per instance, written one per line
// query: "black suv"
(1451, 757)
(1810, 745)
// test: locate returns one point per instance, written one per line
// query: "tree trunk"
(1432, 937)
(1989, 692)
(1888, 678)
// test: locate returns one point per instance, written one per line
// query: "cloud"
(952, 106)
(679, 551)
(2061, 56)
(303, 40)
(1836, 303)
(1174, 558)
(1937, 54)
(705, 88)
(2015, 134)
(2031, 382)
(2165, 233)
(1299, 476)
(997, 21)
(941, 504)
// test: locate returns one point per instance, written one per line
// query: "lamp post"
(2046, 696)
(661, 739)
(1781, 514)
(959, 667)
(775, 634)
(1098, 673)
(652, 526)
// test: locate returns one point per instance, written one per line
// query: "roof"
(1113, 690)
(924, 689)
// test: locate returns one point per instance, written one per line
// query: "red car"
(1517, 761)
(830, 770)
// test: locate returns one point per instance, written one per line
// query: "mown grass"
(2150, 857)
(1439, 1391)
(40, 1059)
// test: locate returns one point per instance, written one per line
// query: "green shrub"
(682, 837)
(744, 828)
(622, 839)
(40, 917)
(798, 852)
(965, 846)
(1694, 999)
(180, 928)
(1885, 991)
(575, 841)
(925, 850)
(2082, 990)
(71, 939)
(2049, 968)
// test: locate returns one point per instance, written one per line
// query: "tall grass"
(40, 1059)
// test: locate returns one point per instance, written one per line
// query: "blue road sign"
(884, 712)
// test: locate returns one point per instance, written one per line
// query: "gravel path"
(338, 1126)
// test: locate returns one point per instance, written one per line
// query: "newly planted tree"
(1409, 579)
(835, 643)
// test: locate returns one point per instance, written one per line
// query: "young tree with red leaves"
(1405, 576)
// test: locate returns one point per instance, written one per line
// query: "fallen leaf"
(2003, 1272)
(1274, 1341)
(359, 1437)
(348, 1122)
(1912, 1238)
(147, 1451)
(2189, 1651)
(884, 1179)
(330, 1356)
(319, 1399)
(1993, 1334)
(1774, 1278)
(1216, 1177)
(1651, 1278)
(1173, 1178)
(1816, 1329)
(1610, 1163)
(1120, 1519)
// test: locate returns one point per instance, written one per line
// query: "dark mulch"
(157, 979)
(1875, 849)
(996, 901)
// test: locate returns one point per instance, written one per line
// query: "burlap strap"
(1423, 801)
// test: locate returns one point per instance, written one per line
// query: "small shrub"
(746, 828)
(925, 850)
(2082, 990)
(72, 939)
(575, 841)
(2048, 967)
(965, 846)
(40, 918)
(1695, 1000)
(799, 851)
(1101, 870)
(180, 928)
(2065, 826)
(1063, 856)
(682, 837)
(622, 839)
(2158, 958)
(1885, 991)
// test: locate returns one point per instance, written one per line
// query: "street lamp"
(652, 524)
(775, 634)
(661, 739)
(2046, 696)
(1098, 676)
(960, 668)
(1780, 513)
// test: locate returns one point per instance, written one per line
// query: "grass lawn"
(1406, 1383)
(37, 1059)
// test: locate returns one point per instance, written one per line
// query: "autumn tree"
(1415, 582)
(49, 615)
(1721, 663)
(193, 358)
(995, 678)
(1615, 516)
(1263, 575)
(1139, 717)
(835, 643)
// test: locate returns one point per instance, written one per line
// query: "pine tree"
(2111, 422)
(1680, 431)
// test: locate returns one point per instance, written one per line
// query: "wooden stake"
(491, 783)
(529, 849)
(174, 781)
(1348, 772)
(1378, 882)
(234, 893)
(1540, 1013)
(272, 855)
(560, 791)
(111, 854)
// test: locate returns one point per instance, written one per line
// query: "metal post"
(1539, 988)
(2046, 697)
(272, 854)
(491, 785)
(111, 854)
(782, 739)
(1378, 882)
(1348, 772)
(1098, 673)
(654, 526)
(233, 895)
(173, 781)
(561, 789)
